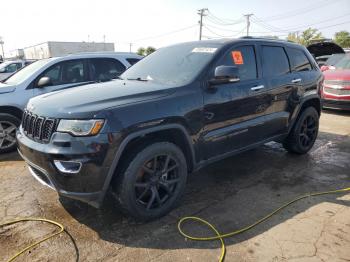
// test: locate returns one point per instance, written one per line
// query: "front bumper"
(336, 104)
(94, 153)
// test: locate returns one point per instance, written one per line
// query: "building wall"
(51, 49)
(39, 51)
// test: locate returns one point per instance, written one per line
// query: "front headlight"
(80, 127)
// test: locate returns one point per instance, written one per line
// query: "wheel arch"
(12, 110)
(174, 133)
(311, 100)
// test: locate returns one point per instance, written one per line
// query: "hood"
(324, 48)
(337, 74)
(4, 88)
(87, 101)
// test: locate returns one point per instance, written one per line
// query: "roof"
(224, 41)
(111, 54)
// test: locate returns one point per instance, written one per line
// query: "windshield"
(173, 65)
(26, 72)
(344, 63)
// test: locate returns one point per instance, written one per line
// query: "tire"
(146, 194)
(8, 126)
(304, 133)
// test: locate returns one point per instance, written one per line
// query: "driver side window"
(244, 58)
(55, 74)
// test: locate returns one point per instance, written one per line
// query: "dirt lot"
(230, 194)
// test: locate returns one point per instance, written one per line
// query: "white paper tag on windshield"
(204, 50)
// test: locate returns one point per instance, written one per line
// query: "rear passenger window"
(244, 58)
(275, 61)
(298, 60)
(105, 69)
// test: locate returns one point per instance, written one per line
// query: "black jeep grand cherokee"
(175, 111)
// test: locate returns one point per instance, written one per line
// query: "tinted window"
(275, 61)
(105, 69)
(298, 60)
(73, 71)
(132, 60)
(244, 58)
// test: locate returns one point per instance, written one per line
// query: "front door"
(234, 112)
(64, 75)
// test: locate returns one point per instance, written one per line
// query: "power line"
(219, 21)
(300, 11)
(224, 36)
(165, 34)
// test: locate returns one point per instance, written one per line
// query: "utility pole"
(130, 46)
(201, 13)
(248, 22)
(2, 48)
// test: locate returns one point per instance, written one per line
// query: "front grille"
(38, 128)
(339, 92)
(337, 82)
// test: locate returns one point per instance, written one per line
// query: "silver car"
(50, 75)
(8, 68)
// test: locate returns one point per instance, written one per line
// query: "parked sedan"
(53, 74)
(336, 88)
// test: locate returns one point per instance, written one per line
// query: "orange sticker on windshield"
(237, 57)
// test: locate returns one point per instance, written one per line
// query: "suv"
(177, 110)
(49, 75)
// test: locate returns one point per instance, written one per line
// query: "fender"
(304, 99)
(131, 136)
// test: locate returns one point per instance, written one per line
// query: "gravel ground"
(231, 194)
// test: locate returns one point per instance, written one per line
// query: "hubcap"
(157, 182)
(7, 134)
(308, 131)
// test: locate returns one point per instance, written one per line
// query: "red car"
(336, 88)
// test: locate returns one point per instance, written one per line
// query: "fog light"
(68, 167)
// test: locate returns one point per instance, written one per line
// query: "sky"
(161, 22)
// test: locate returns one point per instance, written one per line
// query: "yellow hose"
(221, 237)
(217, 237)
(38, 242)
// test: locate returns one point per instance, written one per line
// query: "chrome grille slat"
(339, 92)
(337, 82)
(37, 127)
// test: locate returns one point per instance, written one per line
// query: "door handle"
(297, 80)
(256, 88)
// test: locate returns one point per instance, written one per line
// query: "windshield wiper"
(138, 79)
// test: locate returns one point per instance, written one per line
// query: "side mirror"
(324, 68)
(44, 81)
(224, 75)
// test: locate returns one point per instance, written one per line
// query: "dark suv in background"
(175, 111)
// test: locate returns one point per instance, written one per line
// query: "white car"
(8, 68)
(52, 74)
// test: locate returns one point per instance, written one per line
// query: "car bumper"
(88, 183)
(336, 104)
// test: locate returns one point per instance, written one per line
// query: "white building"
(51, 49)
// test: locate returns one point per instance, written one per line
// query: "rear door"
(281, 87)
(232, 111)
(64, 75)
(307, 73)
